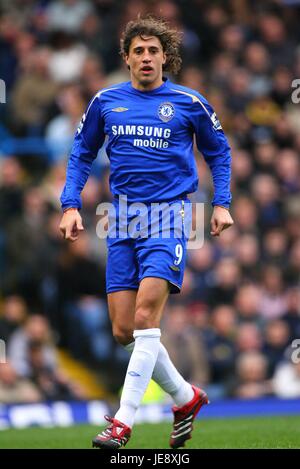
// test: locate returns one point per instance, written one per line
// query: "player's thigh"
(121, 266)
(121, 286)
(164, 259)
(151, 298)
(121, 305)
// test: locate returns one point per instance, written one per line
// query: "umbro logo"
(133, 373)
(120, 109)
(176, 269)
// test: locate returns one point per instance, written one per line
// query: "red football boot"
(114, 436)
(184, 417)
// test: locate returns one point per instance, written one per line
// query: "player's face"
(146, 59)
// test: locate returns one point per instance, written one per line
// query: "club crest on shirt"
(166, 112)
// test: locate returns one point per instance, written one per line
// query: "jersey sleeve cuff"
(66, 207)
(224, 205)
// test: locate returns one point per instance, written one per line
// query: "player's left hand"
(220, 220)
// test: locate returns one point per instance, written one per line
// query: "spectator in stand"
(185, 346)
(27, 248)
(242, 168)
(292, 312)
(13, 314)
(249, 338)
(248, 256)
(288, 171)
(60, 130)
(275, 247)
(67, 57)
(266, 194)
(221, 349)
(16, 389)
(265, 156)
(227, 273)
(33, 93)
(286, 380)
(37, 329)
(11, 190)
(245, 55)
(247, 304)
(251, 376)
(201, 264)
(51, 383)
(272, 302)
(82, 298)
(277, 336)
(67, 14)
(257, 61)
(246, 215)
(293, 268)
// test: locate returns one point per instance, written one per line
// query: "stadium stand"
(239, 310)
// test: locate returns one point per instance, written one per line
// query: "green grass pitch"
(253, 433)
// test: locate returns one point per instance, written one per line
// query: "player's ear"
(126, 58)
(164, 58)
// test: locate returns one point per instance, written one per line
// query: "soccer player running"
(150, 123)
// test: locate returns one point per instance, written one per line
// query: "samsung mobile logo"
(141, 130)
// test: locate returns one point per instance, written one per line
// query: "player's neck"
(146, 86)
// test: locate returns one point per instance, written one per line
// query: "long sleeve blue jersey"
(150, 144)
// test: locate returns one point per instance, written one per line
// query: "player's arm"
(214, 146)
(88, 139)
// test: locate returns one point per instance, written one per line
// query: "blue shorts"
(153, 247)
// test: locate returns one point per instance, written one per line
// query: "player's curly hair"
(169, 38)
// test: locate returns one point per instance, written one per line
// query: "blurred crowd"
(232, 327)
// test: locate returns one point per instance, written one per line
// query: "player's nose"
(146, 57)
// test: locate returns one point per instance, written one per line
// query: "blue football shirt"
(150, 144)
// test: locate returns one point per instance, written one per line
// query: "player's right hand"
(71, 224)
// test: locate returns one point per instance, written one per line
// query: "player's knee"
(123, 335)
(144, 319)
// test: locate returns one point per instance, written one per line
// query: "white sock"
(168, 378)
(139, 372)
